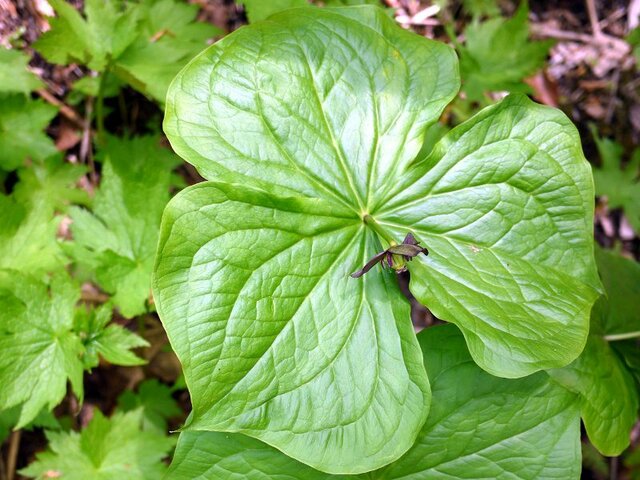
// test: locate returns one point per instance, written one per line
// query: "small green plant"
(308, 128)
(620, 185)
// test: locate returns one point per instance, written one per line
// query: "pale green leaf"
(22, 122)
(108, 29)
(108, 449)
(480, 427)
(313, 120)
(169, 38)
(39, 348)
(293, 146)
(14, 76)
(119, 238)
(504, 203)
(259, 9)
(253, 273)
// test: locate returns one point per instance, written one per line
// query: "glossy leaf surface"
(312, 121)
(603, 379)
(495, 428)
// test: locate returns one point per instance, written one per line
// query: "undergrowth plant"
(324, 136)
(309, 129)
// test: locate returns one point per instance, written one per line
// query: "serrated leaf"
(144, 43)
(28, 220)
(602, 379)
(259, 10)
(108, 449)
(39, 348)
(109, 28)
(497, 55)
(309, 124)
(491, 427)
(121, 234)
(14, 76)
(157, 403)
(479, 8)
(111, 342)
(620, 185)
(22, 122)
(169, 38)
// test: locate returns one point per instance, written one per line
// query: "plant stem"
(100, 105)
(622, 336)
(381, 232)
(12, 454)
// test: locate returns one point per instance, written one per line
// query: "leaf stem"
(100, 105)
(622, 336)
(381, 232)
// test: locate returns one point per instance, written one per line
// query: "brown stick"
(65, 109)
(593, 18)
(12, 455)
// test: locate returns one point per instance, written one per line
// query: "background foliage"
(90, 387)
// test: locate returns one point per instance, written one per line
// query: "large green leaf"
(313, 120)
(504, 203)
(603, 380)
(284, 370)
(480, 425)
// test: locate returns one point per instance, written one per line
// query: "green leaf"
(108, 449)
(109, 28)
(308, 126)
(156, 401)
(145, 43)
(39, 349)
(121, 234)
(497, 55)
(621, 279)
(602, 379)
(169, 38)
(504, 205)
(14, 76)
(298, 251)
(609, 396)
(28, 220)
(259, 9)
(272, 340)
(620, 185)
(22, 122)
(111, 342)
(479, 8)
(495, 428)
